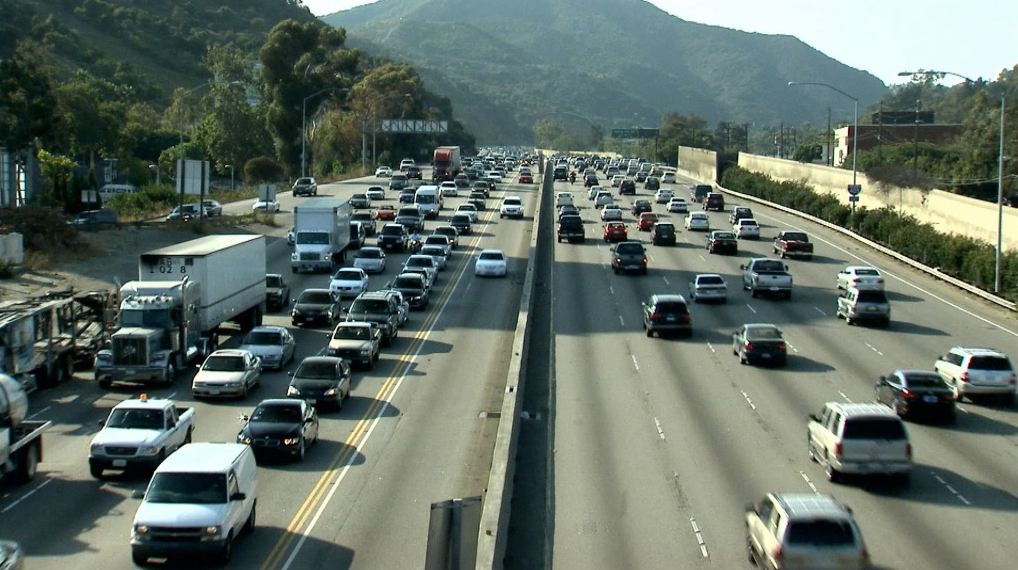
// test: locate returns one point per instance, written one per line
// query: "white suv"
(978, 372)
(803, 531)
(512, 207)
(859, 439)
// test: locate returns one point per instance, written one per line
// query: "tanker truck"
(171, 316)
(20, 438)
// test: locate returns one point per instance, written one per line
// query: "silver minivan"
(855, 305)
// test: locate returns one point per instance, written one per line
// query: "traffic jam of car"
(849, 441)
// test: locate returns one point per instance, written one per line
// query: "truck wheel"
(171, 373)
(105, 382)
(27, 463)
(227, 552)
(96, 471)
(187, 438)
(139, 559)
(249, 526)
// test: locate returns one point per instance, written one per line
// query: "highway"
(414, 432)
(658, 444)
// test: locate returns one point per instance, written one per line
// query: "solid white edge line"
(26, 495)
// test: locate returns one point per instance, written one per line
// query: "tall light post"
(855, 124)
(939, 74)
(304, 122)
(230, 166)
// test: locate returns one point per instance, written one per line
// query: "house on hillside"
(894, 127)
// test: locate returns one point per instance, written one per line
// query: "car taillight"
(618, 260)
(909, 395)
(777, 553)
(645, 261)
(655, 316)
(880, 280)
(855, 280)
(781, 346)
(908, 450)
(747, 345)
(1012, 379)
(964, 377)
(837, 449)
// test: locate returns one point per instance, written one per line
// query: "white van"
(428, 200)
(200, 499)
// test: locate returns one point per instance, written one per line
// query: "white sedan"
(370, 259)
(491, 262)
(746, 228)
(663, 196)
(678, 205)
(611, 214)
(698, 221)
(862, 277)
(376, 193)
(227, 373)
(495, 175)
(348, 282)
(267, 206)
(449, 188)
(383, 172)
(468, 209)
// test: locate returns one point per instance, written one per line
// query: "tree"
(262, 169)
(299, 59)
(26, 103)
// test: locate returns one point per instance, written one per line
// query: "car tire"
(105, 383)
(832, 474)
(139, 559)
(302, 451)
(742, 359)
(249, 525)
(96, 472)
(650, 332)
(227, 552)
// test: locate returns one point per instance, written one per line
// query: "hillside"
(153, 45)
(613, 63)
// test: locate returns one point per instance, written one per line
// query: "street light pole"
(855, 123)
(230, 166)
(997, 277)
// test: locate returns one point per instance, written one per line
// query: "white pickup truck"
(139, 434)
(767, 276)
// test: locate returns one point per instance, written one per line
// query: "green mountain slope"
(612, 63)
(155, 44)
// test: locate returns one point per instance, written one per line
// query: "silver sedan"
(370, 259)
(274, 345)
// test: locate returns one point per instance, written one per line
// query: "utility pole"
(915, 143)
(829, 159)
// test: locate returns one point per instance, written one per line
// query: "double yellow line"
(356, 439)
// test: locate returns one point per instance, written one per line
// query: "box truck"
(322, 234)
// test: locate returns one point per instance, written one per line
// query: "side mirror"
(750, 508)
(882, 380)
(101, 423)
(244, 417)
(743, 267)
(138, 494)
(786, 268)
(238, 497)
(814, 417)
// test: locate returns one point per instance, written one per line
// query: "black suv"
(629, 256)
(653, 184)
(628, 186)
(663, 233)
(561, 173)
(667, 314)
(393, 236)
(379, 308)
(641, 206)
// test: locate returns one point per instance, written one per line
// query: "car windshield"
(671, 308)
(872, 297)
(874, 428)
(304, 181)
(763, 333)
(135, 419)
(369, 306)
(461, 218)
(347, 275)
(998, 363)
(436, 240)
(316, 370)
(190, 488)
(351, 332)
(821, 533)
(361, 217)
(315, 298)
(866, 271)
(511, 202)
(925, 380)
(277, 413)
(795, 236)
(369, 254)
(224, 364)
(359, 197)
(433, 251)
(263, 338)
(312, 238)
(724, 235)
(273, 280)
(448, 232)
(392, 230)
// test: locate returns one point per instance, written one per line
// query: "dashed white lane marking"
(808, 482)
(652, 258)
(622, 322)
(660, 432)
(951, 489)
(750, 307)
(635, 363)
(171, 396)
(26, 495)
(666, 280)
(39, 412)
(611, 289)
(699, 537)
(847, 399)
(961, 409)
(711, 347)
(819, 310)
(702, 258)
(748, 400)
(873, 348)
(792, 346)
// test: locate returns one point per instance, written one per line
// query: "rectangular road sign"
(635, 133)
(853, 198)
(412, 126)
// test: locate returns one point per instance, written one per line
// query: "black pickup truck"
(570, 228)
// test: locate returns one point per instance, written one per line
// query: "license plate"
(765, 355)
(128, 371)
(670, 318)
(214, 392)
(774, 288)
(120, 463)
(930, 399)
(871, 309)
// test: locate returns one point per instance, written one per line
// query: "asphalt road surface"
(414, 431)
(660, 443)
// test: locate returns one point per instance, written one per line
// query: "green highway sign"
(634, 133)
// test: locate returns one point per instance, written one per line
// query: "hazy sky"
(975, 38)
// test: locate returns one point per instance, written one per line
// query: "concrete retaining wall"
(12, 248)
(948, 212)
(698, 164)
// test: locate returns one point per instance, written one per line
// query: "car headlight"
(295, 312)
(211, 532)
(243, 438)
(141, 529)
(291, 440)
(233, 384)
(292, 391)
(96, 449)
(148, 450)
(365, 351)
(330, 392)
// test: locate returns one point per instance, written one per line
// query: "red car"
(615, 232)
(526, 178)
(385, 213)
(646, 221)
